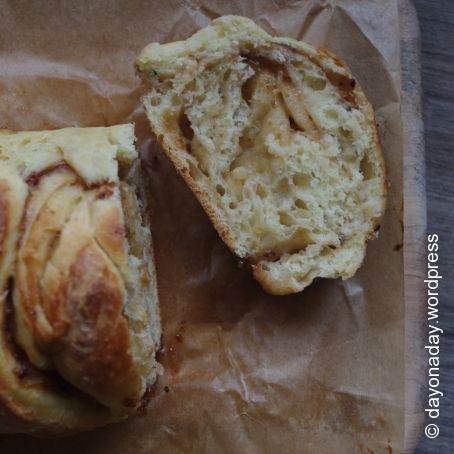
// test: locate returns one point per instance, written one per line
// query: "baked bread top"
(79, 322)
(278, 142)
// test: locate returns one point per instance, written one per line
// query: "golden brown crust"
(96, 355)
(69, 357)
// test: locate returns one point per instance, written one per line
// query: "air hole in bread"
(286, 219)
(345, 133)
(326, 250)
(176, 100)
(220, 189)
(283, 186)
(367, 168)
(299, 203)
(155, 101)
(315, 83)
(301, 179)
(247, 90)
(293, 124)
(194, 171)
(226, 76)
(185, 126)
(299, 240)
(261, 191)
(332, 113)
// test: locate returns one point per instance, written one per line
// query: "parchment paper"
(317, 372)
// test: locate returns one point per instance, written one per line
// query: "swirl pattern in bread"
(278, 142)
(79, 322)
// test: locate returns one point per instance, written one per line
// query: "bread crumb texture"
(278, 142)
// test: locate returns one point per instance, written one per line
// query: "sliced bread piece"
(278, 142)
(79, 316)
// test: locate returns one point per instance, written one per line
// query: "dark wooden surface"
(436, 19)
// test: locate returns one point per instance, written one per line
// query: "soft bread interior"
(278, 142)
(142, 308)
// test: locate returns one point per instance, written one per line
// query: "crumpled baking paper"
(317, 372)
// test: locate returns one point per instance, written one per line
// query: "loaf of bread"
(79, 318)
(279, 144)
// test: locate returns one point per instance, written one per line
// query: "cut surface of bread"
(79, 317)
(278, 142)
